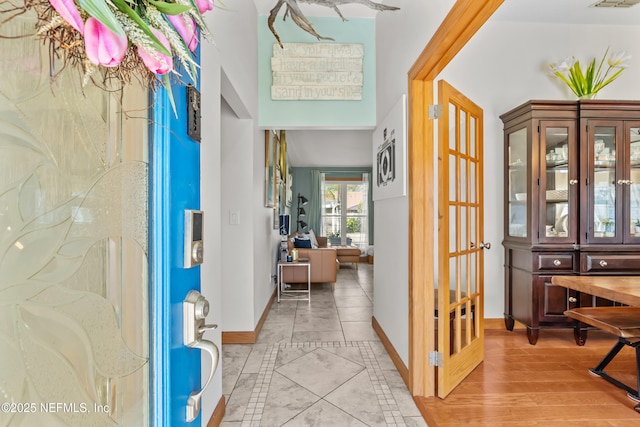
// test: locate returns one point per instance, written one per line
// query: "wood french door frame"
(464, 19)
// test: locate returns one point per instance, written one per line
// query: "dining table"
(621, 289)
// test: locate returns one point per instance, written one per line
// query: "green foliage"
(353, 225)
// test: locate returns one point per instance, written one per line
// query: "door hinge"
(435, 111)
(435, 359)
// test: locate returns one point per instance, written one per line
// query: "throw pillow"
(314, 241)
(302, 243)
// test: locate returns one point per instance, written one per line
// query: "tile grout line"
(257, 400)
(387, 402)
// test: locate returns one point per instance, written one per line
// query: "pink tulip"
(186, 27)
(204, 5)
(69, 12)
(103, 46)
(157, 63)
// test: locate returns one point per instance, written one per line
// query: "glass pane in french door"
(357, 225)
(332, 212)
(73, 247)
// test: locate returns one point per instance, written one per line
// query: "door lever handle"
(193, 403)
(195, 308)
(204, 328)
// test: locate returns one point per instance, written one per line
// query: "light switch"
(234, 218)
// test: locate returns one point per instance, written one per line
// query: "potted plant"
(334, 238)
(609, 228)
(585, 84)
(637, 227)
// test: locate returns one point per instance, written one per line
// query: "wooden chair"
(624, 322)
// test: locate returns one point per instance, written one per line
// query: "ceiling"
(558, 11)
(567, 12)
(353, 148)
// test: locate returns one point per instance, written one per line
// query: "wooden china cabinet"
(572, 198)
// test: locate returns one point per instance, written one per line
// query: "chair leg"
(599, 370)
(609, 357)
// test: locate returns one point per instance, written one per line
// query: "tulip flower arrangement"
(124, 38)
(585, 84)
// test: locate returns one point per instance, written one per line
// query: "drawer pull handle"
(573, 299)
(603, 263)
(557, 262)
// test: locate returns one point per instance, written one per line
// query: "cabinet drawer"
(554, 262)
(609, 262)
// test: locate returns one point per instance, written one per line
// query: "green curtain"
(315, 202)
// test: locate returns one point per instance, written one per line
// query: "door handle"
(195, 308)
(484, 245)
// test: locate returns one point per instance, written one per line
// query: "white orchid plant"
(587, 83)
(125, 38)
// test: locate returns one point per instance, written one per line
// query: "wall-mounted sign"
(317, 71)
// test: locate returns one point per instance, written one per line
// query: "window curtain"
(315, 202)
(365, 208)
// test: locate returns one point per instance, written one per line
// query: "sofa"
(323, 260)
(348, 254)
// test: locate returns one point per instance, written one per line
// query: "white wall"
(235, 35)
(229, 69)
(400, 38)
(237, 150)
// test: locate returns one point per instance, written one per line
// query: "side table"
(290, 293)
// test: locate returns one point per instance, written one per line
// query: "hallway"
(318, 364)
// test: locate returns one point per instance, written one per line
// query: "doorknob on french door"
(483, 245)
(195, 308)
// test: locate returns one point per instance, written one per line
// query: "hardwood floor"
(543, 385)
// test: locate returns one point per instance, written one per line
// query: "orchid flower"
(186, 27)
(204, 5)
(103, 46)
(69, 12)
(156, 61)
(619, 60)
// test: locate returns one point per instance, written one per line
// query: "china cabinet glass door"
(632, 186)
(604, 188)
(518, 166)
(558, 182)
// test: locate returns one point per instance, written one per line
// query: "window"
(345, 218)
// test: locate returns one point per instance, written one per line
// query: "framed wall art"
(270, 168)
(390, 154)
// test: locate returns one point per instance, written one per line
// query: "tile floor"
(317, 363)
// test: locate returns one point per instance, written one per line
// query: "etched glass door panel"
(73, 247)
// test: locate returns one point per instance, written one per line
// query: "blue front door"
(175, 165)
